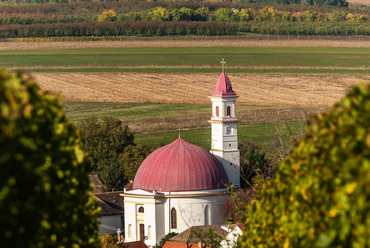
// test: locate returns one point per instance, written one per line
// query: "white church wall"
(191, 211)
(160, 222)
(130, 220)
(149, 220)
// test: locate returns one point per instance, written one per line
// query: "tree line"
(339, 3)
(149, 28)
(128, 28)
(202, 14)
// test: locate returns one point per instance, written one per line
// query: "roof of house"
(180, 166)
(98, 185)
(197, 234)
(223, 86)
(111, 203)
(105, 209)
(135, 244)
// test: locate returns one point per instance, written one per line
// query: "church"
(182, 185)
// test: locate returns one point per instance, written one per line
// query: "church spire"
(224, 127)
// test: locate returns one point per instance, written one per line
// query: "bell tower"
(224, 144)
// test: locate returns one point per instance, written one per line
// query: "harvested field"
(281, 89)
(363, 2)
(182, 43)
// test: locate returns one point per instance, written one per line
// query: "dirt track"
(254, 89)
(182, 43)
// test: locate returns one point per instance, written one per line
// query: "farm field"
(160, 89)
(156, 123)
(188, 58)
(255, 89)
(173, 42)
(363, 2)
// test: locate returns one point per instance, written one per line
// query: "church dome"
(180, 166)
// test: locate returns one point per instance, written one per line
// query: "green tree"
(338, 16)
(108, 16)
(254, 162)
(201, 14)
(182, 14)
(44, 187)
(321, 195)
(104, 140)
(132, 157)
(246, 14)
(159, 14)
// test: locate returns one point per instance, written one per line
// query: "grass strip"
(262, 133)
(188, 56)
(190, 70)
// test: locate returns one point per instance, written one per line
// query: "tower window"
(217, 111)
(141, 210)
(173, 218)
(229, 144)
(228, 110)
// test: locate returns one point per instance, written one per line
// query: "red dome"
(180, 166)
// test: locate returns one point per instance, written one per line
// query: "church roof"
(223, 86)
(180, 166)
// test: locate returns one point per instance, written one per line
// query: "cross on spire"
(223, 62)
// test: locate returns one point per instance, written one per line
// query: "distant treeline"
(339, 3)
(204, 14)
(129, 28)
(151, 28)
(176, 18)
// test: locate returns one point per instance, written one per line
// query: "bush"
(321, 196)
(44, 187)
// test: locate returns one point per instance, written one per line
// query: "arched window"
(217, 111)
(149, 232)
(206, 216)
(141, 210)
(173, 218)
(130, 231)
(228, 110)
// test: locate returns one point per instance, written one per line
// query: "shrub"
(108, 16)
(44, 187)
(321, 195)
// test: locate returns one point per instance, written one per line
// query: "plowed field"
(281, 89)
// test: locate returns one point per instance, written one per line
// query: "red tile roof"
(135, 244)
(223, 86)
(170, 244)
(180, 166)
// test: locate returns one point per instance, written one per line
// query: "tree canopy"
(44, 186)
(321, 195)
(104, 140)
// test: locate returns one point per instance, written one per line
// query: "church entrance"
(142, 237)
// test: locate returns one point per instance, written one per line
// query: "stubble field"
(280, 89)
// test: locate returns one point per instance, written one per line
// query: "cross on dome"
(223, 62)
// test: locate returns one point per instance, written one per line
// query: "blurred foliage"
(44, 186)
(321, 195)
